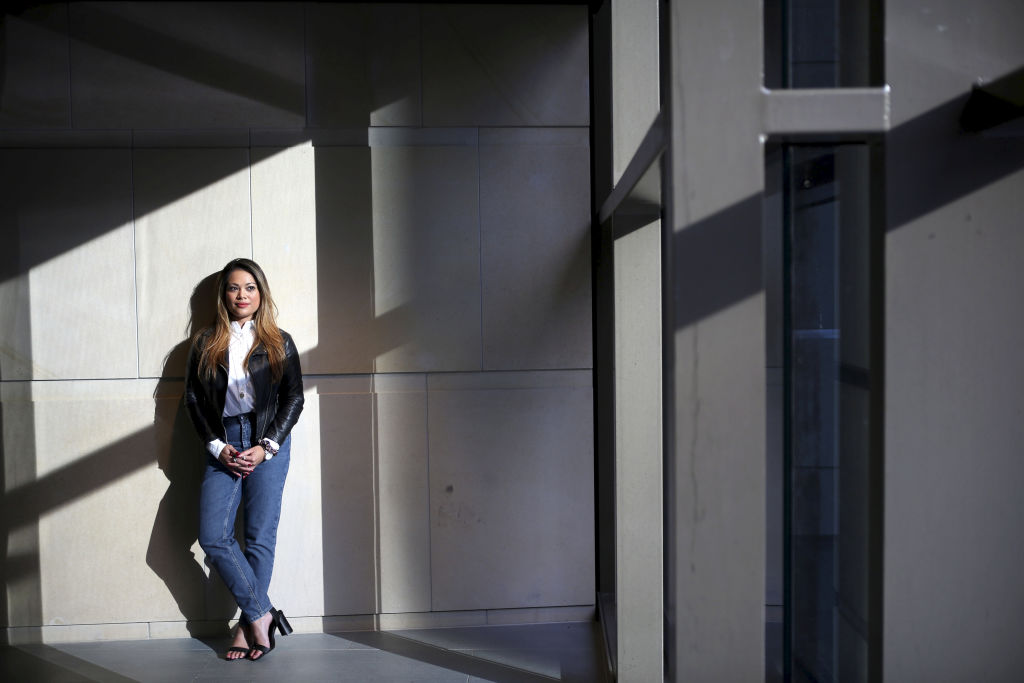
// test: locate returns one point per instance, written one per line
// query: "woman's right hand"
(235, 462)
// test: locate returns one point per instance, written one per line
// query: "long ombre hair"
(268, 334)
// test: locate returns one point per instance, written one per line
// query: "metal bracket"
(825, 112)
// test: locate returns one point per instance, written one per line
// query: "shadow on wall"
(131, 39)
(102, 33)
(724, 249)
(24, 503)
(345, 264)
(933, 164)
(933, 161)
(201, 596)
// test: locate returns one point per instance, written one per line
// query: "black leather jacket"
(277, 404)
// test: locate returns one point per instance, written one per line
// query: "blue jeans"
(247, 574)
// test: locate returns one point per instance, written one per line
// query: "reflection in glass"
(828, 401)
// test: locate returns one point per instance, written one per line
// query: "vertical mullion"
(787, 400)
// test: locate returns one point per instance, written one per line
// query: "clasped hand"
(242, 463)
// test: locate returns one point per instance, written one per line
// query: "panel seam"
(135, 255)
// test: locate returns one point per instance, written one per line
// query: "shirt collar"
(236, 328)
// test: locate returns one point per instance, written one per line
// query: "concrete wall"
(638, 472)
(636, 258)
(415, 181)
(954, 599)
(716, 488)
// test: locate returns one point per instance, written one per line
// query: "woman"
(243, 389)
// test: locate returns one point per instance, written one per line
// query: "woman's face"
(241, 296)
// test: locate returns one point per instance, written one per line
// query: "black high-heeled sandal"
(278, 622)
(236, 648)
(282, 622)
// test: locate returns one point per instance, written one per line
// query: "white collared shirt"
(240, 397)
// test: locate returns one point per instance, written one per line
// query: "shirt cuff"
(215, 447)
(273, 444)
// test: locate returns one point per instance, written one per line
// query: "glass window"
(831, 436)
(823, 43)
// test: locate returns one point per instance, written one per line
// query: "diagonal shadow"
(932, 162)
(37, 662)
(169, 553)
(446, 659)
(144, 45)
(111, 33)
(25, 504)
(723, 249)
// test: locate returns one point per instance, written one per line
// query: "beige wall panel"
(721, 489)
(635, 77)
(185, 231)
(541, 615)
(505, 381)
(343, 263)
(953, 342)
(426, 256)
(935, 53)
(35, 69)
(192, 65)
(535, 248)
(511, 491)
(403, 492)
(96, 495)
(297, 586)
(493, 65)
(348, 486)
(717, 589)
(421, 620)
(953, 435)
(68, 280)
(639, 562)
(363, 65)
(284, 237)
(83, 311)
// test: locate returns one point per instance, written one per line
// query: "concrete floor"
(533, 652)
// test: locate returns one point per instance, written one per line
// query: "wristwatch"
(268, 449)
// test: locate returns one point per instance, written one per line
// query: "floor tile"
(144, 660)
(499, 654)
(46, 663)
(571, 635)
